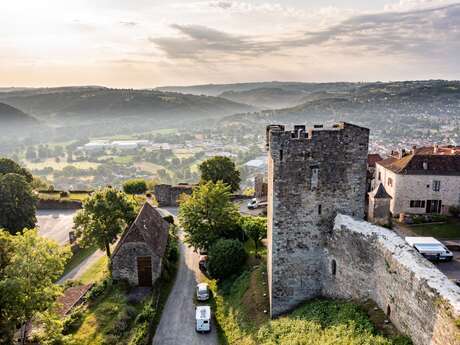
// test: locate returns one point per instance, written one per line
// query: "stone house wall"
(379, 211)
(124, 264)
(414, 187)
(305, 192)
(167, 195)
(375, 263)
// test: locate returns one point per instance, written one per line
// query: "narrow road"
(77, 272)
(177, 324)
(55, 224)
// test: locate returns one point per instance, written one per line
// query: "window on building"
(333, 267)
(417, 203)
(436, 185)
(314, 177)
(319, 209)
(281, 155)
(380, 176)
(390, 182)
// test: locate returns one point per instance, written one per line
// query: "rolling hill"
(13, 118)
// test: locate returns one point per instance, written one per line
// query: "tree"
(225, 258)
(27, 278)
(255, 228)
(8, 166)
(221, 169)
(135, 186)
(105, 214)
(208, 214)
(17, 203)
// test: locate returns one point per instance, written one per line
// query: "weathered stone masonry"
(313, 177)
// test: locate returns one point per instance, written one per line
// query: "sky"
(150, 43)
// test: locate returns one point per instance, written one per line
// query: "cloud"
(222, 4)
(129, 23)
(422, 33)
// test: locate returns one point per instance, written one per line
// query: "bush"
(147, 314)
(141, 335)
(99, 289)
(225, 258)
(64, 194)
(455, 211)
(135, 186)
(73, 321)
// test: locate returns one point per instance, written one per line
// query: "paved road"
(55, 224)
(177, 324)
(77, 272)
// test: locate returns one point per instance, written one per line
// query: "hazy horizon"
(146, 44)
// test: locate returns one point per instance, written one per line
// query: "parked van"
(430, 248)
(203, 319)
(202, 292)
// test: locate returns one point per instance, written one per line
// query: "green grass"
(96, 272)
(449, 230)
(123, 160)
(240, 303)
(59, 166)
(78, 258)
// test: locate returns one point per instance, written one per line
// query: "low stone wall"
(167, 195)
(373, 262)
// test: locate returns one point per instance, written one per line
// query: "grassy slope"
(78, 258)
(240, 306)
(449, 230)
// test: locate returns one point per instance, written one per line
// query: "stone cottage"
(138, 255)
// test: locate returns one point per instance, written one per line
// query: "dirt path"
(177, 324)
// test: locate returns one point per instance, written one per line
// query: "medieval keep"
(319, 246)
(138, 255)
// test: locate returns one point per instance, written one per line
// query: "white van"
(430, 248)
(203, 319)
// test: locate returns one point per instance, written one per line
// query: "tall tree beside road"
(29, 267)
(135, 186)
(221, 169)
(256, 229)
(17, 203)
(105, 214)
(208, 215)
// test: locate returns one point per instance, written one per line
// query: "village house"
(421, 181)
(138, 255)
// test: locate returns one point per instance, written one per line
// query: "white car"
(253, 204)
(430, 248)
(202, 292)
(203, 319)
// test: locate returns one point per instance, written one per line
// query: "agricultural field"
(51, 162)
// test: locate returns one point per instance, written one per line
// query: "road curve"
(177, 324)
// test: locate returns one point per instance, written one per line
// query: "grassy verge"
(78, 258)
(96, 272)
(241, 307)
(449, 230)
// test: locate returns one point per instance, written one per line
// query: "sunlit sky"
(148, 43)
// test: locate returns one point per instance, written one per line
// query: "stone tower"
(379, 206)
(312, 175)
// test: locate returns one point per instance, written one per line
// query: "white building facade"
(421, 182)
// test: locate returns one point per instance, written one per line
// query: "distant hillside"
(94, 104)
(374, 104)
(267, 98)
(11, 117)
(218, 89)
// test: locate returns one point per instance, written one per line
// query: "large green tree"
(17, 203)
(105, 214)
(221, 169)
(29, 269)
(255, 228)
(225, 258)
(8, 166)
(208, 214)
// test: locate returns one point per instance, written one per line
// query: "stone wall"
(374, 263)
(167, 195)
(311, 177)
(124, 263)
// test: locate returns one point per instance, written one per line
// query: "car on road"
(430, 248)
(202, 292)
(253, 204)
(203, 319)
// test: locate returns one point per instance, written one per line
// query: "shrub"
(135, 186)
(99, 289)
(225, 258)
(455, 211)
(73, 321)
(64, 194)
(147, 314)
(141, 335)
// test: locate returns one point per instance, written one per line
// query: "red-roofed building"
(422, 180)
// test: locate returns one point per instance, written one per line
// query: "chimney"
(435, 148)
(402, 153)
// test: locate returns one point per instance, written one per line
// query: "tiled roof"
(71, 297)
(152, 227)
(426, 161)
(373, 158)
